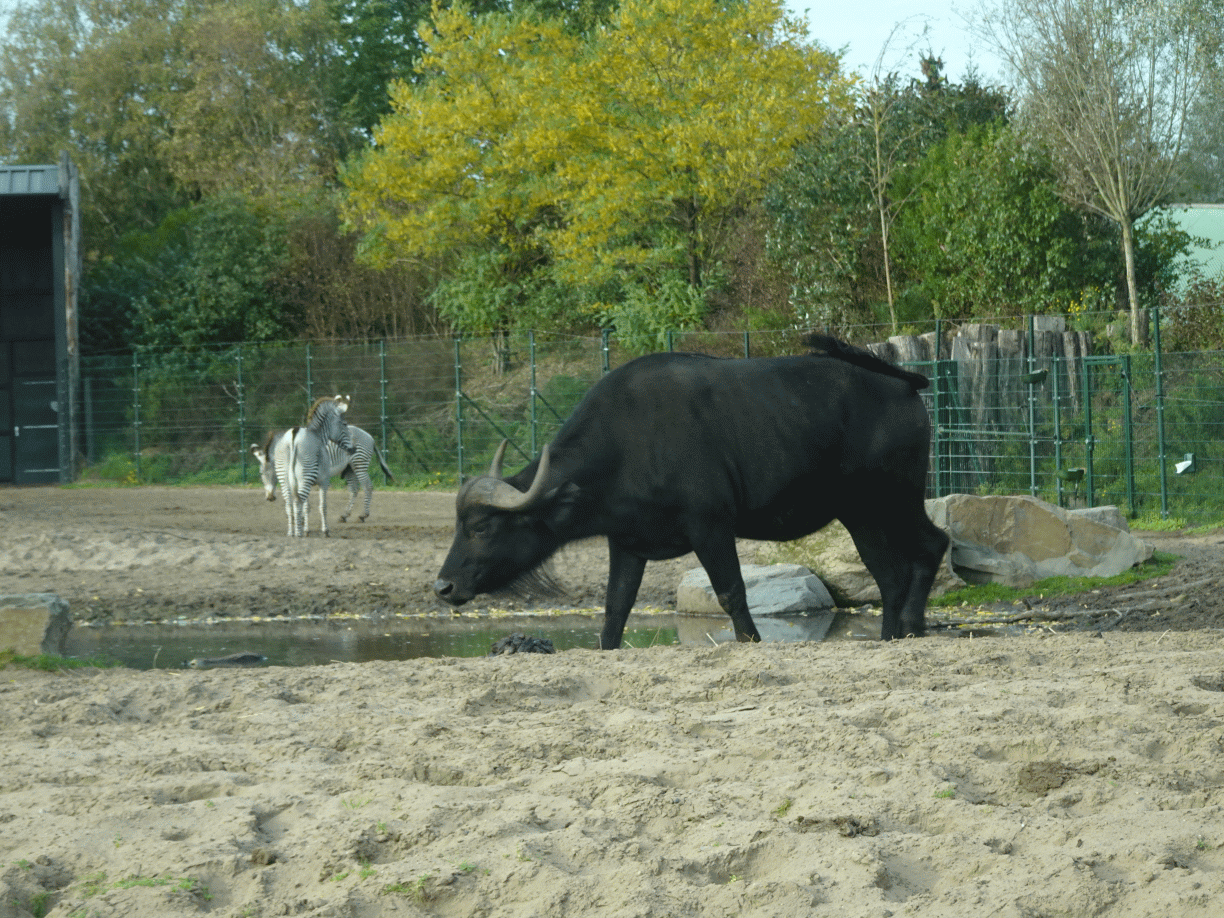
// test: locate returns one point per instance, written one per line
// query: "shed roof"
(42, 179)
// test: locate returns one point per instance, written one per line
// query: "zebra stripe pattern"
(353, 467)
(302, 462)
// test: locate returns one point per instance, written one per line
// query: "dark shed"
(40, 232)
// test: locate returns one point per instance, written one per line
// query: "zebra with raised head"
(353, 467)
(302, 461)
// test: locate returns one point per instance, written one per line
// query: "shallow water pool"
(312, 642)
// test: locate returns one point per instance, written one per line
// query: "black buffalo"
(673, 453)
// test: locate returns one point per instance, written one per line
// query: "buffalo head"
(501, 534)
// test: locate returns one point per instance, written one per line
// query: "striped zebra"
(302, 462)
(353, 467)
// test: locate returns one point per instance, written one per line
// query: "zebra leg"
(289, 501)
(301, 522)
(351, 481)
(361, 479)
(323, 510)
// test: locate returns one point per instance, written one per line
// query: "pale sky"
(866, 25)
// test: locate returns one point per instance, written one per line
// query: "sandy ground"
(153, 554)
(1077, 773)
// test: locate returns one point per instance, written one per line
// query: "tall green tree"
(211, 277)
(379, 42)
(989, 234)
(180, 113)
(1109, 85)
(250, 112)
(611, 157)
(1202, 178)
(91, 77)
(835, 207)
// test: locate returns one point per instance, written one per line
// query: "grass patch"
(1152, 521)
(983, 594)
(417, 890)
(53, 663)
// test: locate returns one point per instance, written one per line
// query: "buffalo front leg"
(624, 577)
(716, 552)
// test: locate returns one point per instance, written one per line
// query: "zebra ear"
(343, 402)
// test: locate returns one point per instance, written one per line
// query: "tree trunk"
(882, 206)
(1138, 318)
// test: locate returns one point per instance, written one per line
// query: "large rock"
(1018, 540)
(1012, 540)
(774, 589)
(34, 623)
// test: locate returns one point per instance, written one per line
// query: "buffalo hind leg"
(928, 543)
(716, 551)
(624, 577)
(904, 560)
(893, 574)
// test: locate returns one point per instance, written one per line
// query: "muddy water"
(304, 643)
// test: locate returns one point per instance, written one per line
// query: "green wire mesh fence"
(1021, 406)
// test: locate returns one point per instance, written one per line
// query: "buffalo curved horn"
(495, 468)
(507, 497)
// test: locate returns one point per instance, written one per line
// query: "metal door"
(29, 413)
(35, 431)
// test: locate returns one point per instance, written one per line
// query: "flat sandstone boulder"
(1015, 540)
(1018, 540)
(34, 623)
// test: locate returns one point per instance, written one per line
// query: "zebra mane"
(336, 401)
(315, 407)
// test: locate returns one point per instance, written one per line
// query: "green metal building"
(40, 231)
(1205, 222)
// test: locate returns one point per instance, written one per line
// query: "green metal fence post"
(535, 421)
(1129, 432)
(382, 395)
(1160, 418)
(136, 410)
(309, 376)
(605, 346)
(1088, 440)
(1032, 408)
(459, 409)
(747, 346)
(241, 416)
(937, 410)
(1056, 405)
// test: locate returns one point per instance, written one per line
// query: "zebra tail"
(386, 471)
(292, 480)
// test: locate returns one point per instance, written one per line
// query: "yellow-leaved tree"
(606, 162)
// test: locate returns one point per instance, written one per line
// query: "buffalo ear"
(563, 512)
